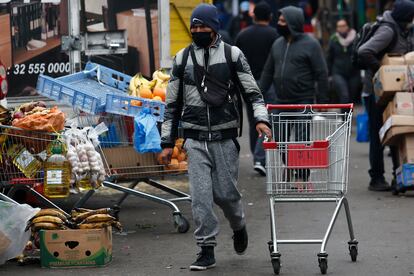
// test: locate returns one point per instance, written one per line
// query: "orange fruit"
(157, 98)
(160, 92)
(174, 165)
(136, 103)
(176, 152)
(183, 165)
(145, 93)
(181, 157)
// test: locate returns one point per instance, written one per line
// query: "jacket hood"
(403, 11)
(294, 19)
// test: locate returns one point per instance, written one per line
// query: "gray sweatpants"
(213, 171)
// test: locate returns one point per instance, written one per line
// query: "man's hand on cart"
(165, 156)
(263, 129)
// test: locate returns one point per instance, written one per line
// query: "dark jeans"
(376, 149)
(301, 126)
(256, 146)
(347, 88)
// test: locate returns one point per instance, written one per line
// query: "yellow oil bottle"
(57, 173)
(24, 160)
(85, 183)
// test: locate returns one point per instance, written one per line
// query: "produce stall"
(83, 151)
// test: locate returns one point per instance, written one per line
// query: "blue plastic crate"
(85, 90)
(405, 175)
(110, 138)
(123, 105)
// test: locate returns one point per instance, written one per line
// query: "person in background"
(395, 37)
(345, 77)
(295, 65)
(210, 131)
(241, 21)
(255, 42)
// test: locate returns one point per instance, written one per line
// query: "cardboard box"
(398, 59)
(406, 148)
(391, 79)
(402, 104)
(393, 59)
(394, 127)
(75, 248)
(405, 175)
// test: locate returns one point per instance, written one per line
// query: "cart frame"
(281, 192)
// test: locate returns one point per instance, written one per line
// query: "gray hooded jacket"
(295, 67)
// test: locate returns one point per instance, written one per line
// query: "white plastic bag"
(13, 221)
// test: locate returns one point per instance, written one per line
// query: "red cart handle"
(313, 106)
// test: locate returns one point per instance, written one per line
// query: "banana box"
(76, 247)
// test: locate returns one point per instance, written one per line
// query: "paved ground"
(383, 224)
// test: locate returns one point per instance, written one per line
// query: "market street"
(383, 225)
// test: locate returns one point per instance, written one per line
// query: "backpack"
(231, 65)
(367, 31)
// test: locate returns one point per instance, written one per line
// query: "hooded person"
(395, 36)
(206, 105)
(295, 63)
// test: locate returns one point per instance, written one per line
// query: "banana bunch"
(95, 219)
(48, 219)
(161, 79)
(139, 83)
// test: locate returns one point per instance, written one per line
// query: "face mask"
(344, 35)
(283, 30)
(202, 39)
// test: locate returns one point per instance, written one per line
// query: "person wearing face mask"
(345, 77)
(394, 37)
(210, 122)
(295, 66)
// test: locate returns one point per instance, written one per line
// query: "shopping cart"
(308, 162)
(122, 165)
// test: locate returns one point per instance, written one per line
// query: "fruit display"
(178, 159)
(54, 219)
(155, 89)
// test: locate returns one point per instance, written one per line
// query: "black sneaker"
(258, 167)
(379, 185)
(240, 241)
(205, 259)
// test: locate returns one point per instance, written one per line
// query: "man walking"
(295, 66)
(197, 96)
(255, 42)
(394, 35)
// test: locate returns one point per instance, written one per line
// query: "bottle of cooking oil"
(85, 183)
(24, 160)
(57, 173)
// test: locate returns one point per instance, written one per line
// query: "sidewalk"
(383, 225)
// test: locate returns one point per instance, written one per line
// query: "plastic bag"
(362, 128)
(13, 221)
(146, 135)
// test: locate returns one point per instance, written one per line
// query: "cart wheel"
(276, 265)
(181, 223)
(323, 265)
(353, 251)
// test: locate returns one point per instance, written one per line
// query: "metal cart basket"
(121, 161)
(308, 162)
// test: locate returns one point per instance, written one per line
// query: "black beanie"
(205, 14)
(403, 11)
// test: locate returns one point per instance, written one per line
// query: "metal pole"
(74, 31)
(235, 7)
(148, 20)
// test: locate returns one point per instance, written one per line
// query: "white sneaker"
(258, 167)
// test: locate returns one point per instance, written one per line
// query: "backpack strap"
(181, 70)
(236, 81)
